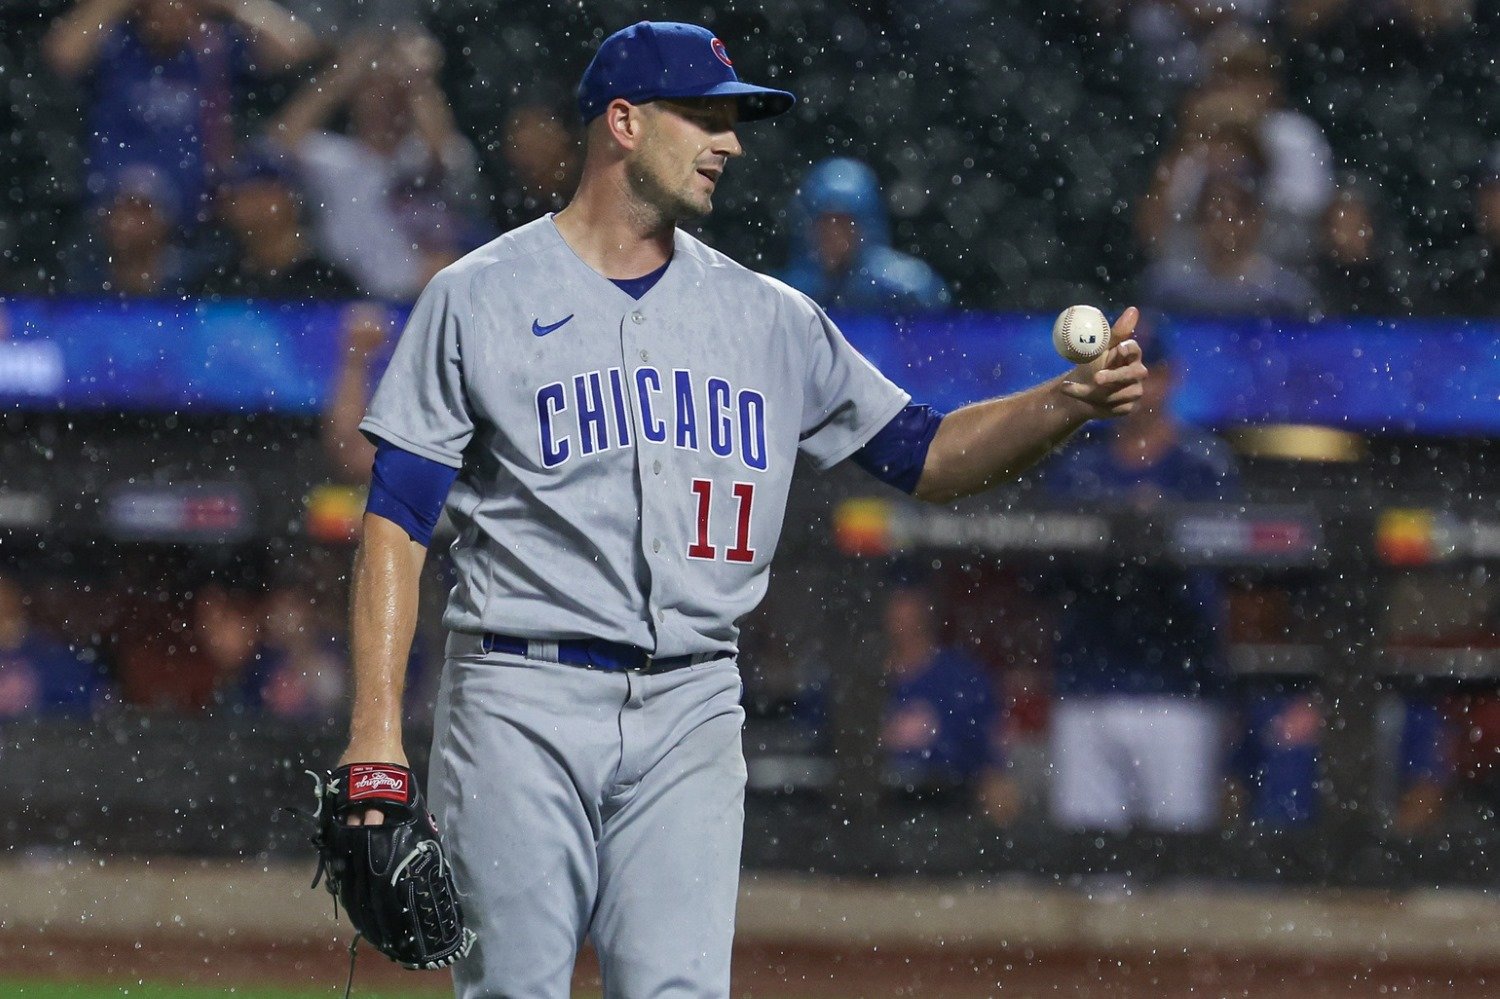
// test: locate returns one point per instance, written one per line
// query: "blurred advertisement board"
(1428, 377)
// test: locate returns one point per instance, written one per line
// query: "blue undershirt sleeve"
(409, 490)
(898, 451)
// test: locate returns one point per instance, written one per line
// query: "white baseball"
(1081, 333)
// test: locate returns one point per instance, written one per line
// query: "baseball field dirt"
(94, 928)
(47, 967)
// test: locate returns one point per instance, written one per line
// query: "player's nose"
(727, 144)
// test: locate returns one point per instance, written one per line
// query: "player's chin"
(694, 205)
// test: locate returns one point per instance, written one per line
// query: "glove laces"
(349, 985)
(426, 846)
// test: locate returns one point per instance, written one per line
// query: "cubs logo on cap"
(656, 59)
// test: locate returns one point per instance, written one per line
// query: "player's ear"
(625, 121)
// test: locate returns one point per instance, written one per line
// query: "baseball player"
(612, 411)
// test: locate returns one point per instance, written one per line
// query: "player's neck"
(613, 234)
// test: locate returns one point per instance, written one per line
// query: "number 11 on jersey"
(744, 496)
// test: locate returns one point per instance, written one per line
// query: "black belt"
(594, 653)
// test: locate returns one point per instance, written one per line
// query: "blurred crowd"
(1016, 696)
(1297, 158)
(180, 638)
(1141, 737)
(1281, 157)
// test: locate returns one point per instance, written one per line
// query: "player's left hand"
(1111, 384)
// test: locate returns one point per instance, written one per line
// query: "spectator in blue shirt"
(841, 254)
(163, 79)
(1136, 726)
(1279, 759)
(943, 719)
(40, 676)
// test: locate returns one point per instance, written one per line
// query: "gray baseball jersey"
(624, 465)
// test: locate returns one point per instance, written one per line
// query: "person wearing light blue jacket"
(840, 247)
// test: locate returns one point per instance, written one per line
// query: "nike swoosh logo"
(538, 329)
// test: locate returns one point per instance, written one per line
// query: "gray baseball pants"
(579, 803)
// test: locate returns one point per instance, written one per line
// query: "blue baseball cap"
(655, 59)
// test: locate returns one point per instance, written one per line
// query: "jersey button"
(645, 356)
(656, 466)
(656, 544)
(637, 318)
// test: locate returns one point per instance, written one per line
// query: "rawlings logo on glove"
(378, 780)
(392, 879)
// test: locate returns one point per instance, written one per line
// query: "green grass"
(43, 989)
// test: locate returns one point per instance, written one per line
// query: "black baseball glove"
(393, 879)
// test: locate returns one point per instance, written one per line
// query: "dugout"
(1316, 533)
